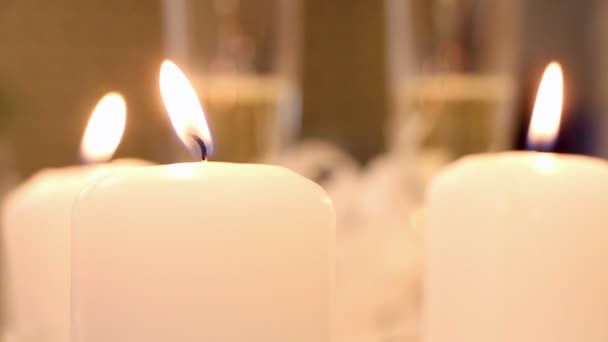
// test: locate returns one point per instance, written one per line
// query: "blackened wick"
(202, 145)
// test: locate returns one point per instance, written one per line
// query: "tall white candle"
(516, 242)
(36, 220)
(201, 251)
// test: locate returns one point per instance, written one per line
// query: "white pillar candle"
(36, 220)
(516, 243)
(201, 251)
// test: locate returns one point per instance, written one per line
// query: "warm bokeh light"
(184, 108)
(546, 115)
(105, 129)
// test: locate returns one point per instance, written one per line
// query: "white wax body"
(35, 232)
(202, 252)
(516, 250)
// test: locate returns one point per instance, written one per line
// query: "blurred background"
(343, 71)
(368, 98)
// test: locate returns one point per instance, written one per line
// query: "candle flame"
(104, 130)
(184, 109)
(546, 115)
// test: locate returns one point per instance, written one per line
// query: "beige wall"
(59, 57)
(343, 74)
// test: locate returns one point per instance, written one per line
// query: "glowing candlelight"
(105, 129)
(185, 110)
(546, 115)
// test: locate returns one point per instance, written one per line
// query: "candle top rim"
(526, 159)
(198, 169)
(49, 181)
(489, 156)
(198, 175)
(518, 168)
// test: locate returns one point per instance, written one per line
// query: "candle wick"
(202, 145)
(540, 147)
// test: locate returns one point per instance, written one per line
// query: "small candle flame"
(104, 130)
(546, 115)
(185, 110)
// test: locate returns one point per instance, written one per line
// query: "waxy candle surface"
(516, 248)
(36, 233)
(202, 252)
